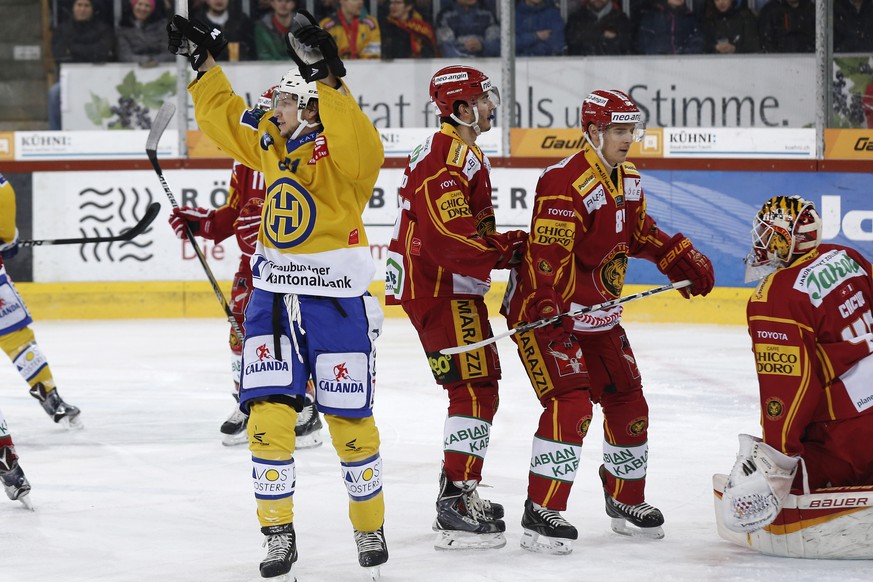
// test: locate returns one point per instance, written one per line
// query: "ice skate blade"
(462, 540)
(288, 577)
(373, 573)
(71, 423)
(309, 441)
(622, 527)
(26, 502)
(231, 440)
(534, 542)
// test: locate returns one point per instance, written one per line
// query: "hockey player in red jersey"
(589, 217)
(439, 264)
(241, 216)
(811, 324)
(16, 337)
(12, 477)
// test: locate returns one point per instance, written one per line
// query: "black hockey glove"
(313, 49)
(194, 39)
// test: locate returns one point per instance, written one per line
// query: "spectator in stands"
(142, 36)
(82, 39)
(598, 27)
(468, 29)
(729, 28)
(406, 34)
(539, 29)
(357, 36)
(867, 105)
(272, 29)
(236, 27)
(324, 8)
(668, 27)
(853, 26)
(787, 26)
(103, 11)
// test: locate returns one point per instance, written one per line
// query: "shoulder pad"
(630, 169)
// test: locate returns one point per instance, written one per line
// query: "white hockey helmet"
(292, 83)
(785, 228)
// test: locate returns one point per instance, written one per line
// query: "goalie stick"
(162, 120)
(129, 234)
(550, 320)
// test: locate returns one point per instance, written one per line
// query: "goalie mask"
(785, 228)
(461, 83)
(292, 85)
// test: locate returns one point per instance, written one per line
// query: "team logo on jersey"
(613, 269)
(638, 426)
(289, 214)
(774, 408)
(568, 358)
(583, 426)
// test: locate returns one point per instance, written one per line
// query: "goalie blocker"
(834, 522)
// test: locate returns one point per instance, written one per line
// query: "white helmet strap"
(599, 149)
(474, 125)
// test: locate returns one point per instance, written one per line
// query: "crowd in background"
(462, 28)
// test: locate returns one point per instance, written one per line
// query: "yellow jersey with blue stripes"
(312, 239)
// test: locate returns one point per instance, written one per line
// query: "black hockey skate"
(546, 530)
(308, 427)
(15, 484)
(641, 520)
(281, 546)
(461, 522)
(233, 429)
(62, 413)
(372, 550)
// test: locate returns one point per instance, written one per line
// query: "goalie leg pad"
(760, 480)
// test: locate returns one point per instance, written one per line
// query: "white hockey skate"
(65, 415)
(546, 531)
(372, 551)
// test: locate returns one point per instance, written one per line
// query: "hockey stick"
(550, 320)
(162, 120)
(129, 234)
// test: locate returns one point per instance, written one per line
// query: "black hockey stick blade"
(550, 320)
(159, 126)
(129, 234)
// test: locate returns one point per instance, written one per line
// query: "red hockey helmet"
(459, 83)
(265, 101)
(603, 108)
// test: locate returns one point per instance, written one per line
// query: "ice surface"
(147, 492)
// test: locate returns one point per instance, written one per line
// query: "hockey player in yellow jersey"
(16, 337)
(310, 312)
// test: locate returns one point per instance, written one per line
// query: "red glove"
(545, 303)
(508, 245)
(200, 220)
(248, 224)
(680, 260)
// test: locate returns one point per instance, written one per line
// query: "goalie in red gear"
(439, 265)
(241, 216)
(811, 324)
(589, 217)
